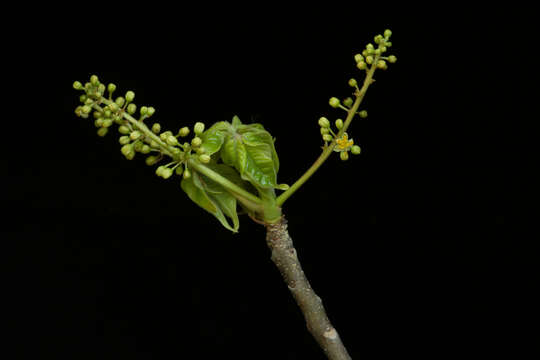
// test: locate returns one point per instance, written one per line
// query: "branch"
(286, 260)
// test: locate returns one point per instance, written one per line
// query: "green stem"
(328, 150)
(251, 201)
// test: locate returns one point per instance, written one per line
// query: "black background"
(417, 247)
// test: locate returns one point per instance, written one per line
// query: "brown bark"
(285, 257)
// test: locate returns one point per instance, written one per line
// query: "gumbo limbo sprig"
(229, 164)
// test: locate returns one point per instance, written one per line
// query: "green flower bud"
(198, 128)
(339, 123)
(348, 102)
(156, 128)
(130, 155)
(324, 123)
(150, 111)
(204, 158)
(159, 170)
(107, 123)
(166, 173)
(111, 88)
(113, 107)
(186, 174)
(365, 53)
(88, 101)
(137, 146)
(126, 149)
(101, 89)
(377, 51)
(356, 150)
(145, 149)
(334, 102)
(324, 131)
(144, 110)
(179, 170)
(131, 109)
(361, 65)
(130, 95)
(78, 111)
(382, 48)
(77, 85)
(176, 151)
(151, 160)
(124, 140)
(154, 144)
(83, 98)
(378, 39)
(94, 80)
(98, 123)
(200, 151)
(353, 83)
(358, 58)
(120, 101)
(124, 130)
(184, 131)
(363, 114)
(86, 109)
(171, 140)
(327, 137)
(370, 48)
(135, 135)
(369, 59)
(102, 132)
(196, 141)
(381, 64)
(107, 113)
(344, 155)
(387, 33)
(392, 59)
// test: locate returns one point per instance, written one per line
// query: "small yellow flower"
(344, 144)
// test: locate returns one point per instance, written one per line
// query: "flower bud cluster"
(342, 143)
(372, 55)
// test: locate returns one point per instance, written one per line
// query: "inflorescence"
(135, 136)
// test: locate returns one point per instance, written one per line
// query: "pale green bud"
(156, 128)
(111, 88)
(150, 111)
(200, 151)
(378, 39)
(107, 123)
(324, 131)
(381, 64)
(137, 146)
(369, 59)
(186, 174)
(334, 102)
(124, 140)
(151, 160)
(130, 155)
(135, 135)
(124, 130)
(198, 128)
(130, 95)
(353, 83)
(204, 158)
(159, 170)
(344, 155)
(77, 85)
(179, 170)
(324, 123)
(144, 110)
(171, 140)
(361, 65)
(392, 59)
(83, 98)
(102, 132)
(120, 101)
(363, 114)
(387, 33)
(131, 109)
(356, 150)
(86, 109)
(358, 58)
(145, 149)
(339, 123)
(166, 173)
(94, 80)
(101, 89)
(327, 137)
(184, 131)
(113, 107)
(126, 149)
(370, 48)
(348, 102)
(196, 141)
(98, 123)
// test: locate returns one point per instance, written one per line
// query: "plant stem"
(251, 201)
(285, 258)
(328, 150)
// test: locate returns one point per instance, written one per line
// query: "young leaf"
(218, 203)
(212, 139)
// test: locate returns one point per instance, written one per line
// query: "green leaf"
(213, 198)
(212, 138)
